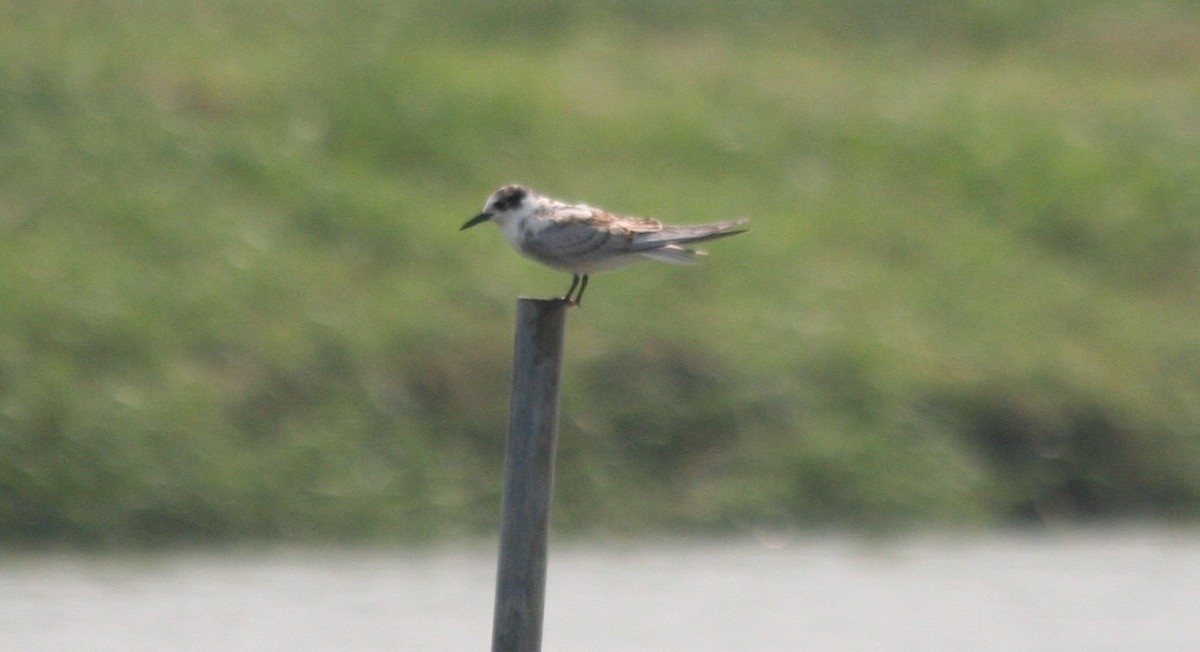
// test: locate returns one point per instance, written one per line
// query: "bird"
(582, 239)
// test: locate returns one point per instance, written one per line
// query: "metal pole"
(528, 476)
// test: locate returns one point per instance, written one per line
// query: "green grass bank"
(234, 302)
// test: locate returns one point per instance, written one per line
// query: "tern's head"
(503, 205)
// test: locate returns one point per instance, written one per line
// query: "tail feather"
(674, 254)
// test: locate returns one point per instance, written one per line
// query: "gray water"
(1094, 591)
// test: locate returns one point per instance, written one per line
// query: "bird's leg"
(574, 282)
(579, 297)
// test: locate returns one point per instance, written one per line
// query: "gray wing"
(582, 234)
(577, 242)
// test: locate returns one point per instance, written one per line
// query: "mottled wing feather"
(601, 219)
(633, 225)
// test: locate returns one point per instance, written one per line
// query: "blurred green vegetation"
(236, 304)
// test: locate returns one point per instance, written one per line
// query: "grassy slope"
(236, 303)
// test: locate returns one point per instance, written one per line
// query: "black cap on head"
(509, 197)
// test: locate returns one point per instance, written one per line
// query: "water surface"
(1095, 591)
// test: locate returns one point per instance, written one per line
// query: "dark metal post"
(528, 476)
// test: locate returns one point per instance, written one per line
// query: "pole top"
(542, 300)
